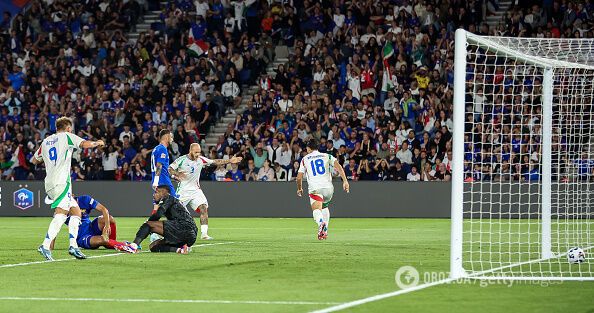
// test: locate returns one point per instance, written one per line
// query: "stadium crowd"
(372, 81)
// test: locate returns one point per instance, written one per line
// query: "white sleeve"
(236, 90)
(38, 155)
(176, 163)
(301, 167)
(76, 141)
(206, 161)
(332, 159)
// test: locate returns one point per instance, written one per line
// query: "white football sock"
(73, 230)
(204, 230)
(326, 214)
(53, 229)
(317, 216)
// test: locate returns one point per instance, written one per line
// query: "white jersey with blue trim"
(192, 170)
(317, 168)
(56, 153)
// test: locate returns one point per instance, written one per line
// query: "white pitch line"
(351, 304)
(477, 275)
(106, 255)
(169, 301)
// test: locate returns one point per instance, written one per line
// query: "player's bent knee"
(203, 208)
(153, 245)
(316, 205)
(60, 211)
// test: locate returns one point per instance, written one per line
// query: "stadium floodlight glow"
(523, 166)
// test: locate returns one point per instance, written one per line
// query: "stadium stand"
(370, 80)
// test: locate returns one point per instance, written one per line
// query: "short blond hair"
(63, 122)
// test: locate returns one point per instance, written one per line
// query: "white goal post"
(523, 166)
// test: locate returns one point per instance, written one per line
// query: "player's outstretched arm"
(345, 182)
(86, 144)
(232, 160)
(106, 231)
(299, 181)
(37, 158)
(159, 167)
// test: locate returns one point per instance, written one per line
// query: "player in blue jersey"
(160, 164)
(101, 231)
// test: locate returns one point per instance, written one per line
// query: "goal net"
(523, 169)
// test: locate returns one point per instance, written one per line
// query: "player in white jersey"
(56, 153)
(186, 169)
(318, 168)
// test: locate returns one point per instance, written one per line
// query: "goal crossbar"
(488, 42)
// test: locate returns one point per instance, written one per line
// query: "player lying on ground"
(101, 232)
(179, 231)
(56, 153)
(318, 168)
(160, 164)
(186, 169)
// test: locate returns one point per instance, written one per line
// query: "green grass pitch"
(263, 265)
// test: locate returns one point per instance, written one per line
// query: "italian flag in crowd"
(196, 47)
(18, 159)
(388, 52)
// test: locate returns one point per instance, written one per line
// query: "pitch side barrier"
(269, 199)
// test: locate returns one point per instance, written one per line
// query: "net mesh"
(503, 158)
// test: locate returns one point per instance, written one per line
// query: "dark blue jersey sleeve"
(86, 202)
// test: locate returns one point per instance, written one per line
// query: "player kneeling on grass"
(318, 167)
(179, 231)
(101, 231)
(186, 169)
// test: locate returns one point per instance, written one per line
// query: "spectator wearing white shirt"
(319, 73)
(404, 154)
(220, 173)
(266, 173)
(88, 38)
(126, 132)
(354, 83)
(202, 8)
(428, 173)
(402, 132)
(366, 37)
(429, 121)
(230, 90)
(338, 19)
(159, 116)
(395, 28)
(280, 174)
(110, 163)
(413, 175)
(229, 23)
(237, 60)
(337, 141)
(239, 8)
(273, 150)
(86, 69)
(479, 100)
(220, 47)
(285, 103)
(285, 157)
(390, 103)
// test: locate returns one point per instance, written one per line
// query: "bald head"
(195, 151)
